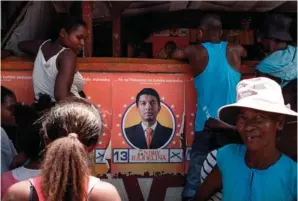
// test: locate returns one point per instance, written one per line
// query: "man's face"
(169, 48)
(7, 111)
(267, 44)
(148, 108)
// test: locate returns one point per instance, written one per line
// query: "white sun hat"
(259, 93)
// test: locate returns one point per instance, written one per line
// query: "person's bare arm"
(211, 185)
(213, 124)
(104, 191)
(67, 61)
(181, 54)
(30, 47)
(234, 54)
(197, 56)
(18, 192)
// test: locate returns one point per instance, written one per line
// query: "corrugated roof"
(103, 9)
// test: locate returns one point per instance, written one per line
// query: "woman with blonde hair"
(70, 130)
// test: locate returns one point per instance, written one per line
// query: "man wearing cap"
(281, 63)
(215, 65)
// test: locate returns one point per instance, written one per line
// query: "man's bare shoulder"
(232, 46)
(236, 48)
(196, 49)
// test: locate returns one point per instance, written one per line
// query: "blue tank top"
(216, 85)
(241, 183)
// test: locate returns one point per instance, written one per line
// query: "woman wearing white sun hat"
(256, 170)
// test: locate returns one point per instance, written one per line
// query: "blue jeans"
(200, 149)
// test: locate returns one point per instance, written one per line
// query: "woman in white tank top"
(55, 71)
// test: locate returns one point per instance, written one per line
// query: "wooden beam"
(118, 7)
(108, 64)
(87, 17)
(116, 37)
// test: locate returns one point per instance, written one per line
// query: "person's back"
(69, 130)
(8, 151)
(216, 70)
(55, 70)
(46, 71)
(29, 145)
(281, 63)
(215, 85)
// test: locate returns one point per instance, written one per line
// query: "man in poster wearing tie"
(149, 133)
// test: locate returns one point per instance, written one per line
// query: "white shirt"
(153, 127)
(45, 73)
(208, 165)
(8, 152)
(22, 173)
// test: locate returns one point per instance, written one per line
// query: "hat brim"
(229, 113)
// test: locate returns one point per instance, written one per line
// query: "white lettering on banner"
(148, 156)
(96, 79)
(11, 77)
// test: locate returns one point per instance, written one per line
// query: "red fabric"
(36, 182)
(149, 136)
(7, 180)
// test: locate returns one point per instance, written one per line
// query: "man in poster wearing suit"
(149, 133)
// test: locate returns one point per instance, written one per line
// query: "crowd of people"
(235, 154)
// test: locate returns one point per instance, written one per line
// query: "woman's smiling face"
(257, 128)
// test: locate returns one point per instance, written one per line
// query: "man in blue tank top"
(216, 69)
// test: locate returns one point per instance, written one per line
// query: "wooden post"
(87, 17)
(116, 36)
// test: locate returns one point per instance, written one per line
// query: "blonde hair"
(71, 126)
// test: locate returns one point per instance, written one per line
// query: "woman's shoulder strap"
(35, 189)
(92, 182)
(44, 43)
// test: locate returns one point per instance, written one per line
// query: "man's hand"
(213, 124)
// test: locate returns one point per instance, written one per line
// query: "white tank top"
(45, 73)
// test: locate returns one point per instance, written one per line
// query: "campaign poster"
(20, 82)
(190, 113)
(159, 108)
(98, 89)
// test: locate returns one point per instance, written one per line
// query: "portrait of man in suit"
(149, 133)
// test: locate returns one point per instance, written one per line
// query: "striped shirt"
(208, 165)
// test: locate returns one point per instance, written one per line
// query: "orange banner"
(98, 89)
(116, 94)
(20, 83)
(128, 155)
(190, 113)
